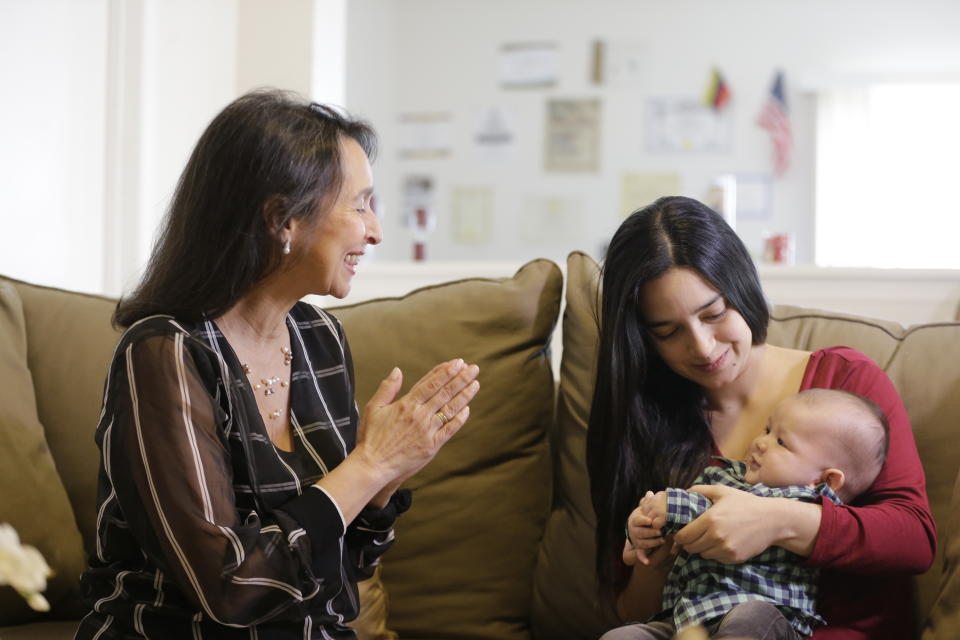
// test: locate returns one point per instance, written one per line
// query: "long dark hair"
(268, 157)
(648, 425)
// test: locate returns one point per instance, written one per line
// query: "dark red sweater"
(869, 550)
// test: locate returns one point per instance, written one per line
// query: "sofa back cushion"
(69, 346)
(29, 482)
(566, 603)
(463, 561)
(922, 362)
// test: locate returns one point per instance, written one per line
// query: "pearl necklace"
(268, 383)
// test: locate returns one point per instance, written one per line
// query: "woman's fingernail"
(395, 373)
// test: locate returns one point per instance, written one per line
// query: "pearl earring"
(286, 247)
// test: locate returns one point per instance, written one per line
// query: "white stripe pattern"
(182, 505)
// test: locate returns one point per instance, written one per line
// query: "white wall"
(274, 42)
(441, 55)
(189, 74)
(53, 72)
(103, 100)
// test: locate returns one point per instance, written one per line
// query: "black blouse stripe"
(204, 528)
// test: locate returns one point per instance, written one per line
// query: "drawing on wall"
(640, 188)
(572, 139)
(425, 135)
(686, 124)
(529, 65)
(619, 65)
(472, 209)
(550, 220)
(495, 140)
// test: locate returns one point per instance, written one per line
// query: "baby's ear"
(833, 478)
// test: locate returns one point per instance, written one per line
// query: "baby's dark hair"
(864, 440)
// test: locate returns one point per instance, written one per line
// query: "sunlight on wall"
(886, 165)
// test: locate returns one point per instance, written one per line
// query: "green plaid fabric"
(699, 591)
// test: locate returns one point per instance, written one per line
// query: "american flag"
(775, 119)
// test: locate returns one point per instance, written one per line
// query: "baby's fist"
(654, 505)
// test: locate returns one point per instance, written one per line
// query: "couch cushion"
(944, 620)
(371, 623)
(33, 498)
(565, 596)
(40, 631)
(69, 346)
(463, 561)
(812, 329)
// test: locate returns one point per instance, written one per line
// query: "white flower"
(23, 568)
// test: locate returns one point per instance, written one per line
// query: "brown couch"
(499, 541)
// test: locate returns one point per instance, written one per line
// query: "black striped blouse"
(204, 528)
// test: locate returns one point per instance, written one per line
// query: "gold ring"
(443, 418)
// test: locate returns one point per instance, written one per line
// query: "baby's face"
(792, 449)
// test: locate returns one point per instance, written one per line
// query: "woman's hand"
(740, 525)
(398, 437)
(660, 557)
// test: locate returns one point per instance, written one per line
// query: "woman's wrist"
(799, 525)
(354, 483)
(380, 500)
(370, 468)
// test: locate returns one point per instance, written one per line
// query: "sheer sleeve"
(371, 533)
(169, 462)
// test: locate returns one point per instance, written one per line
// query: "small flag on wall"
(718, 93)
(775, 119)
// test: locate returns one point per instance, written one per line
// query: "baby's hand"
(654, 506)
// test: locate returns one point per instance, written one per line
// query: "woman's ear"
(833, 478)
(274, 212)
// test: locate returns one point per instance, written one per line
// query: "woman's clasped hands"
(736, 527)
(398, 437)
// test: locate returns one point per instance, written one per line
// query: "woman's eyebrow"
(709, 304)
(697, 310)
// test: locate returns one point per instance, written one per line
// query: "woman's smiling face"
(341, 234)
(698, 335)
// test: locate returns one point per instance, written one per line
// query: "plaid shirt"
(700, 590)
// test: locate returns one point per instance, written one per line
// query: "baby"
(819, 442)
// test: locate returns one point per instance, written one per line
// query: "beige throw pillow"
(32, 496)
(566, 602)
(463, 561)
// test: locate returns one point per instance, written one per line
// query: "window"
(888, 164)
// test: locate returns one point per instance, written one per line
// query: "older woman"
(241, 492)
(684, 372)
